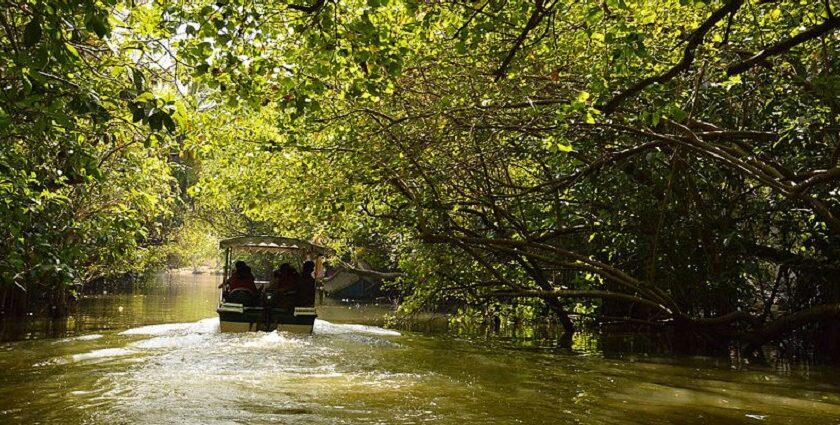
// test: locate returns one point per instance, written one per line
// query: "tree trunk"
(557, 307)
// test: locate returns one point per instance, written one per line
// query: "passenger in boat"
(241, 286)
(282, 287)
(281, 278)
(242, 277)
(305, 288)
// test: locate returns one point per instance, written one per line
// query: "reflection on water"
(164, 298)
(161, 359)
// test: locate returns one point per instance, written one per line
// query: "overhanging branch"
(684, 64)
(829, 24)
(536, 17)
(569, 293)
(314, 7)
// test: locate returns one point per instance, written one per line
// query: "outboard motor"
(269, 299)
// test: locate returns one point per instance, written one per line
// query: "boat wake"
(147, 374)
(205, 333)
(323, 327)
(104, 353)
(169, 369)
(90, 337)
(209, 325)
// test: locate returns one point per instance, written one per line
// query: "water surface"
(154, 355)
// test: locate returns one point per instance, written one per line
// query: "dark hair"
(285, 268)
(242, 270)
(308, 267)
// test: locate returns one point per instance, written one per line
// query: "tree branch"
(688, 57)
(794, 321)
(536, 17)
(783, 46)
(314, 7)
(818, 178)
(570, 293)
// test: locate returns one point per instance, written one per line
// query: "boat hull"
(235, 318)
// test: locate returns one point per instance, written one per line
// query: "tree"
(671, 165)
(84, 163)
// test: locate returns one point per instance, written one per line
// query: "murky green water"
(156, 357)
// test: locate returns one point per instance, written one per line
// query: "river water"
(154, 355)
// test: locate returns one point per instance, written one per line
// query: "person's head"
(241, 269)
(240, 266)
(308, 268)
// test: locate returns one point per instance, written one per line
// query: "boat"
(241, 310)
(344, 284)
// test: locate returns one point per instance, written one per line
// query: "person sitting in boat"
(305, 286)
(282, 287)
(242, 277)
(241, 286)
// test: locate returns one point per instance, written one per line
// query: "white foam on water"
(208, 325)
(170, 341)
(102, 354)
(79, 338)
(274, 338)
(51, 362)
(305, 376)
(158, 329)
(326, 328)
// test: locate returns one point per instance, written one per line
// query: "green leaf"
(594, 15)
(617, 4)
(4, 120)
(677, 114)
(137, 112)
(461, 47)
(32, 33)
(138, 79)
(168, 123)
(583, 96)
(99, 25)
(72, 51)
(145, 97)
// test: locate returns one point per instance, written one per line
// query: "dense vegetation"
(663, 163)
(85, 167)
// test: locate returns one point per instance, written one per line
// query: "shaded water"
(156, 356)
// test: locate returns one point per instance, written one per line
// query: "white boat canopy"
(274, 244)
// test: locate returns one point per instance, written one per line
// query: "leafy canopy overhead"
(678, 156)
